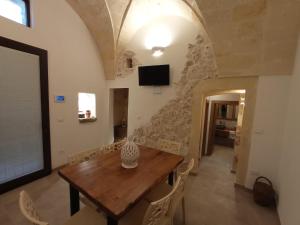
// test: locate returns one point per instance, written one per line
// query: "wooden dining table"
(114, 189)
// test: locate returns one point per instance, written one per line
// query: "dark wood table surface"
(113, 189)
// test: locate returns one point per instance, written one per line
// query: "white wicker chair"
(28, 209)
(169, 146)
(83, 156)
(144, 213)
(183, 172)
(113, 147)
(91, 154)
(86, 216)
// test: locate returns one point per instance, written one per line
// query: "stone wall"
(126, 63)
(173, 121)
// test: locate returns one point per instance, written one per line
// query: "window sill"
(87, 120)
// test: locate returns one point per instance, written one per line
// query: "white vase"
(129, 155)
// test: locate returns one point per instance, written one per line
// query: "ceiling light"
(158, 51)
(158, 35)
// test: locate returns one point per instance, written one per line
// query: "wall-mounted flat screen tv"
(158, 75)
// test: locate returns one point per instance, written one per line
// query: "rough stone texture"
(122, 64)
(253, 37)
(106, 21)
(173, 121)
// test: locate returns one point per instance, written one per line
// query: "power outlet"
(254, 173)
(259, 131)
(61, 152)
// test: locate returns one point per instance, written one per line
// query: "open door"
(120, 112)
(211, 133)
(203, 149)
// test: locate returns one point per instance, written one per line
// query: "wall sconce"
(158, 51)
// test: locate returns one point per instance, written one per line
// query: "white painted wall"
(269, 117)
(74, 66)
(289, 171)
(143, 102)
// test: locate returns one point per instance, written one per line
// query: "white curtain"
(21, 143)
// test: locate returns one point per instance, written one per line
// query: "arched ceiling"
(253, 37)
(250, 37)
(141, 13)
(96, 16)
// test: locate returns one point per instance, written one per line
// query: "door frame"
(211, 131)
(113, 97)
(204, 142)
(43, 63)
(215, 87)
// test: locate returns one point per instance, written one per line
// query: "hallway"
(213, 200)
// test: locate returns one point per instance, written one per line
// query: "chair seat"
(136, 215)
(159, 192)
(89, 216)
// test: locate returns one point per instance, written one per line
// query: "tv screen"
(154, 75)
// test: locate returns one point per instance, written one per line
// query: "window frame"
(28, 14)
(28, 17)
(93, 117)
(43, 64)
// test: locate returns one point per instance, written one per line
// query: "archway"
(218, 86)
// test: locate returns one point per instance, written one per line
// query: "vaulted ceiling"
(250, 37)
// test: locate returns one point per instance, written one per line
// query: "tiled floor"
(222, 156)
(211, 198)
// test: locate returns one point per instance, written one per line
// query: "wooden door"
(211, 133)
(204, 143)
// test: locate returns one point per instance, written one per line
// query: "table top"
(115, 189)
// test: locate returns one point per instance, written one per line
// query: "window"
(86, 107)
(16, 10)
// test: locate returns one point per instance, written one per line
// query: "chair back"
(183, 173)
(185, 169)
(92, 153)
(83, 156)
(157, 211)
(169, 146)
(117, 146)
(28, 209)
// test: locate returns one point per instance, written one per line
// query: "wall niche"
(126, 63)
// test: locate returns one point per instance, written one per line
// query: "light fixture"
(158, 36)
(158, 51)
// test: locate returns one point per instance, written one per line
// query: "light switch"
(259, 131)
(60, 120)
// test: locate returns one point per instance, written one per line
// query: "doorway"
(120, 113)
(24, 114)
(222, 123)
(220, 86)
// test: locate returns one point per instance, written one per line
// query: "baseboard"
(59, 168)
(242, 187)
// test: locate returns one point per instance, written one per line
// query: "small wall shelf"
(87, 120)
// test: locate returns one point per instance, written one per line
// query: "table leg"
(111, 221)
(74, 200)
(171, 178)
